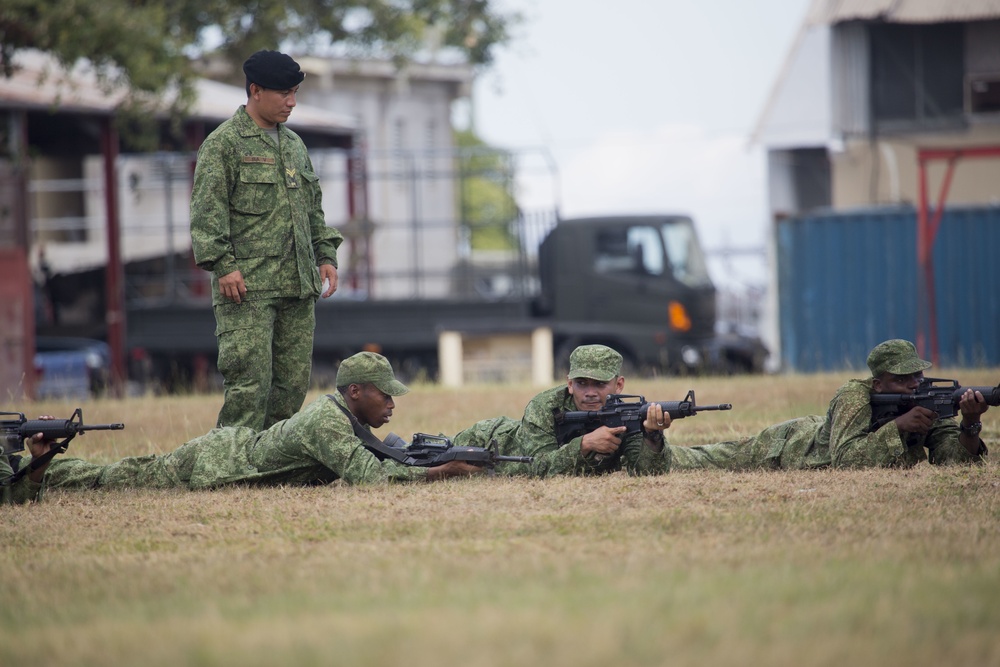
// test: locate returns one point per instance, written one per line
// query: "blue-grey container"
(849, 280)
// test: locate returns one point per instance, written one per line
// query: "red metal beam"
(19, 143)
(927, 229)
(114, 289)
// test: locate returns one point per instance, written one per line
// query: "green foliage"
(146, 44)
(136, 44)
(486, 193)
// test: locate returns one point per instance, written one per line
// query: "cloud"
(716, 179)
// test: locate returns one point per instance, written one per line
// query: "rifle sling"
(369, 440)
(37, 463)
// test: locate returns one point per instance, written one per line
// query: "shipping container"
(848, 280)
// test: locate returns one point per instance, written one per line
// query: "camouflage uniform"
(258, 209)
(316, 446)
(790, 444)
(535, 434)
(21, 491)
(844, 438)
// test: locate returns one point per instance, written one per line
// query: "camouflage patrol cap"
(370, 368)
(273, 70)
(597, 362)
(896, 356)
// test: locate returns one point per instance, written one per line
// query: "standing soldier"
(257, 224)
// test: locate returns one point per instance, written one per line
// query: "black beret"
(273, 70)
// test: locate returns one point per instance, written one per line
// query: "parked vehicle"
(637, 283)
(76, 368)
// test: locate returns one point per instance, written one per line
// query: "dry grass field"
(872, 567)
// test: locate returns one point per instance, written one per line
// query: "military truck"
(639, 284)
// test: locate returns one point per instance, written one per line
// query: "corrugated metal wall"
(849, 280)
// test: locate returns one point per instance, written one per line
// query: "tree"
(148, 46)
(486, 192)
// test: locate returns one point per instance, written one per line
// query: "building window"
(917, 74)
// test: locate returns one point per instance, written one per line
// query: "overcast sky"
(644, 105)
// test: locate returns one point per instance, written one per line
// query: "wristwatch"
(971, 429)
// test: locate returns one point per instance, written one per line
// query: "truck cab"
(639, 284)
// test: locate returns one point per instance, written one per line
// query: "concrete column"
(542, 363)
(450, 358)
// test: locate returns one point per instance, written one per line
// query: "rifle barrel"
(720, 406)
(515, 459)
(33, 426)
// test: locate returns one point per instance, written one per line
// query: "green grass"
(870, 567)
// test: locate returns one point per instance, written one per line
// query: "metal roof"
(218, 101)
(802, 55)
(384, 69)
(828, 12)
(40, 83)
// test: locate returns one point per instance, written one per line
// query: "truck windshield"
(687, 262)
(670, 249)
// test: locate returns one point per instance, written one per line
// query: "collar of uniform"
(247, 126)
(338, 398)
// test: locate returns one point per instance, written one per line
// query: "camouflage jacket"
(21, 491)
(259, 210)
(536, 436)
(318, 441)
(852, 444)
(315, 446)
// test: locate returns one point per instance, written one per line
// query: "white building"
(409, 203)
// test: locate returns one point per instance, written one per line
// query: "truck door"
(647, 266)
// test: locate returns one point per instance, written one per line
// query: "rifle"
(428, 450)
(628, 410)
(13, 433)
(937, 394)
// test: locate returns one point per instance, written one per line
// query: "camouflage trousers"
(171, 470)
(482, 433)
(203, 462)
(265, 357)
(788, 445)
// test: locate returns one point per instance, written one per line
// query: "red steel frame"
(927, 229)
(114, 282)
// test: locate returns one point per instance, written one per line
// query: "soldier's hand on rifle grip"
(38, 445)
(916, 420)
(603, 440)
(972, 405)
